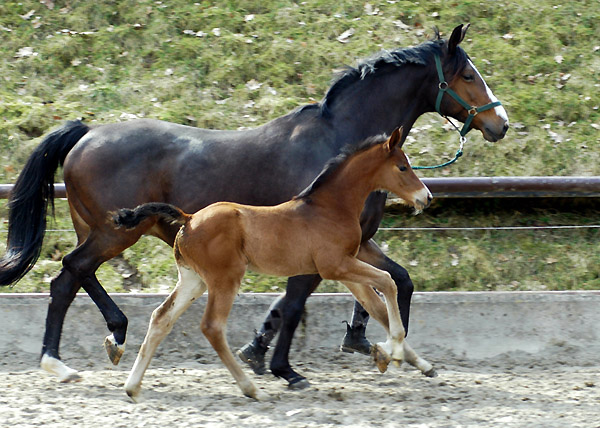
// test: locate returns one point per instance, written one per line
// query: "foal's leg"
(359, 277)
(221, 295)
(355, 339)
(372, 254)
(189, 287)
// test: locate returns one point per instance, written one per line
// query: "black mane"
(334, 163)
(419, 55)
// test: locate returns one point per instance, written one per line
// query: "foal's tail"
(29, 200)
(131, 218)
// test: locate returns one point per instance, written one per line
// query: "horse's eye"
(402, 168)
(468, 77)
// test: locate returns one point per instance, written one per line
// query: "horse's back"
(130, 163)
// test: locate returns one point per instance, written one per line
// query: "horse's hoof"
(430, 373)
(382, 358)
(58, 368)
(253, 357)
(298, 383)
(72, 377)
(113, 349)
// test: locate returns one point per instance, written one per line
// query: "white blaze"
(499, 109)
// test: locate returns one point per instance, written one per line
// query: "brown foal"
(316, 232)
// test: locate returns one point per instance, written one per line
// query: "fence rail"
(475, 187)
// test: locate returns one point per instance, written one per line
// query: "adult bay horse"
(127, 164)
(317, 232)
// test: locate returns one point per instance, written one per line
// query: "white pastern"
(133, 391)
(113, 342)
(500, 111)
(393, 348)
(59, 369)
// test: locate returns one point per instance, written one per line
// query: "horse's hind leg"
(221, 294)
(189, 287)
(78, 271)
(83, 262)
(62, 292)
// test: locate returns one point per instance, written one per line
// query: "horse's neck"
(348, 188)
(380, 103)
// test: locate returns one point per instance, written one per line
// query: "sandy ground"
(510, 390)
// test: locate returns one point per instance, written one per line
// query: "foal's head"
(397, 175)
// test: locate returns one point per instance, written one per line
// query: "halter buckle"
(443, 86)
(473, 111)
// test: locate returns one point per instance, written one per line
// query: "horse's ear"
(395, 140)
(458, 34)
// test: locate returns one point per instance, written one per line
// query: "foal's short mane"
(419, 55)
(334, 163)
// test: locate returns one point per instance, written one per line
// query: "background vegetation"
(237, 64)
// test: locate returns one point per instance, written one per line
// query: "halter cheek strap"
(444, 88)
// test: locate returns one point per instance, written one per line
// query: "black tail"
(131, 218)
(29, 200)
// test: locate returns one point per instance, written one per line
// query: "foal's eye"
(468, 77)
(402, 168)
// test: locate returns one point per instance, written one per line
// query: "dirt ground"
(510, 390)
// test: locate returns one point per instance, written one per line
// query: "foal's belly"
(280, 261)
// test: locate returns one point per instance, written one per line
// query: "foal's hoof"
(430, 373)
(113, 349)
(134, 394)
(381, 357)
(298, 383)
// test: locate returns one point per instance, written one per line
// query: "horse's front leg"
(297, 291)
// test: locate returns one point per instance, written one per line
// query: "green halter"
(444, 88)
(472, 110)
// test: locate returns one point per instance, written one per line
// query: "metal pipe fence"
(468, 188)
(475, 187)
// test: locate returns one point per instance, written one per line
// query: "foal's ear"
(458, 34)
(395, 140)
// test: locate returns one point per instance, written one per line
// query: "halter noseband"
(445, 88)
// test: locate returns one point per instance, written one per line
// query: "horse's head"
(400, 178)
(464, 95)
